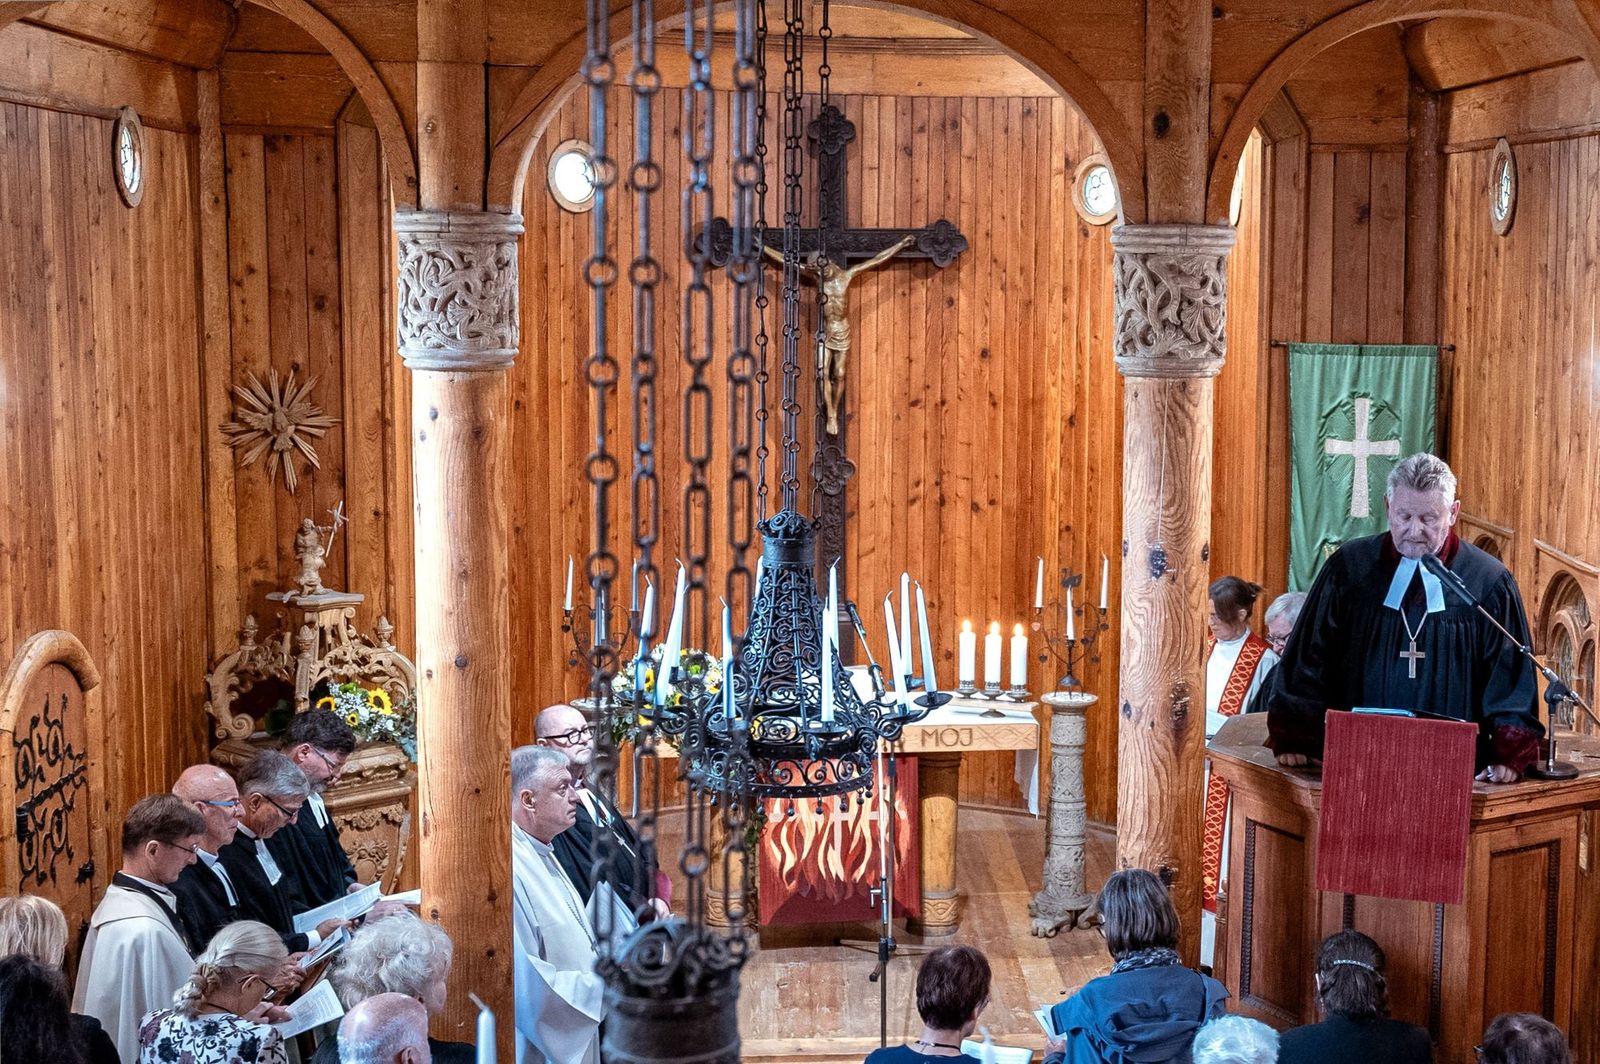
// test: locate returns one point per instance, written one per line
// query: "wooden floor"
(811, 999)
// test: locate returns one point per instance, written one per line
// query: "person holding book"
(217, 1016)
(952, 991)
(1150, 1006)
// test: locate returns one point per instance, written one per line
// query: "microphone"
(1431, 562)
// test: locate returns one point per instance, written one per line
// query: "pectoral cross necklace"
(1413, 654)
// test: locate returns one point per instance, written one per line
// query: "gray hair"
(528, 761)
(1287, 605)
(274, 775)
(1235, 1040)
(380, 1028)
(399, 954)
(1422, 472)
(242, 948)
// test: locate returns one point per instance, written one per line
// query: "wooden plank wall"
(103, 515)
(985, 411)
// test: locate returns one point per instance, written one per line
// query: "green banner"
(1355, 410)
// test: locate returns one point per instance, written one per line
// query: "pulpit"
(1526, 937)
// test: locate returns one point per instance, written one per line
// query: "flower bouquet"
(696, 668)
(373, 715)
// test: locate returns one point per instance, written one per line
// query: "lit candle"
(1019, 658)
(670, 650)
(566, 599)
(895, 666)
(1072, 630)
(966, 655)
(1038, 587)
(930, 682)
(992, 649)
(1105, 578)
(486, 1047)
(905, 623)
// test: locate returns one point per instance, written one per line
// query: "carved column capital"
(457, 289)
(1171, 299)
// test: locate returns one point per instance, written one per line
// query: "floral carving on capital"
(457, 288)
(1171, 299)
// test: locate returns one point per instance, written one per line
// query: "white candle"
(930, 682)
(486, 1047)
(832, 625)
(901, 696)
(905, 622)
(566, 599)
(727, 661)
(647, 619)
(992, 649)
(1038, 587)
(633, 590)
(1019, 658)
(1105, 578)
(966, 655)
(670, 650)
(1072, 629)
(826, 678)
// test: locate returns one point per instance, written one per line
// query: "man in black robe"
(316, 868)
(208, 900)
(1379, 631)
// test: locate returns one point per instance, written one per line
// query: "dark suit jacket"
(1337, 1040)
(575, 852)
(258, 898)
(203, 904)
(93, 1040)
(316, 870)
(443, 1052)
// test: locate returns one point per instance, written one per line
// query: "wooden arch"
(1546, 14)
(1566, 633)
(531, 112)
(398, 151)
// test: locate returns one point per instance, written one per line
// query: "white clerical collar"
(318, 808)
(1431, 586)
(209, 858)
(161, 889)
(246, 832)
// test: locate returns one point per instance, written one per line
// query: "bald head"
(214, 795)
(565, 728)
(385, 1029)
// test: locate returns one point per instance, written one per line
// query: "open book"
(348, 907)
(990, 1053)
(330, 945)
(315, 1007)
(1046, 1021)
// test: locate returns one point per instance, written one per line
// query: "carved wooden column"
(1171, 310)
(939, 785)
(1063, 898)
(458, 334)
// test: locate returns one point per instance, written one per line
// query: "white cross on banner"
(1361, 448)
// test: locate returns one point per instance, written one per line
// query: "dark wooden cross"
(829, 133)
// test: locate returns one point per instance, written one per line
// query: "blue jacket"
(1143, 1016)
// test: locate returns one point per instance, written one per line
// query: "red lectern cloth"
(1396, 807)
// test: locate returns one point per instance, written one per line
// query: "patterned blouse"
(166, 1037)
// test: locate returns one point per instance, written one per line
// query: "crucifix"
(1415, 655)
(831, 255)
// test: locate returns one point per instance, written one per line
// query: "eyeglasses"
(219, 803)
(195, 849)
(576, 735)
(335, 767)
(290, 813)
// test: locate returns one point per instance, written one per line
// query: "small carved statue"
(833, 284)
(310, 555)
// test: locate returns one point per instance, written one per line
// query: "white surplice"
(560, 998)
(1219, 666)
(133, 962)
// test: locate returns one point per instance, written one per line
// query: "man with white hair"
(385, 1029)
(1280, 619)
(1235, 1040)
(1379, 629)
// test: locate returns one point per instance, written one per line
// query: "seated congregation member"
(1524, 1038)
(560, 999)
(271, 792)
(136, 955)
(208, 899)
(1150, 1006)
(386, 1029)
(398, 954)
(308, 849)
(952, 990)
(1353, 995)
(35, 928)
(1235, 1040)
(1280, 620)
(217, 1017)
(34, 1021)
(564, 728)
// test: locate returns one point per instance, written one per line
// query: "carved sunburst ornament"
(277, 419)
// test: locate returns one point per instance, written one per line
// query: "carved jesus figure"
(833, 286)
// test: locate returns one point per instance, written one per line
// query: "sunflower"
(327, 700)
(352, 718)
(378, 698)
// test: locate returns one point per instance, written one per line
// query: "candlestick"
(566, 600)
(966, 658)
(1072, 632)
(674, 644)
(992, 647)
(1038, 586)
(930, 682)
(1105, 579)
(905, 622)
(1019, 659)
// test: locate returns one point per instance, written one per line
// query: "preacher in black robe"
(1346, 651)
(316, 868)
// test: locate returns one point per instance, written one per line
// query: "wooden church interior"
(1349, 145)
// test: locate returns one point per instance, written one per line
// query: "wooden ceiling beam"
(192, 33)
(1453, 53)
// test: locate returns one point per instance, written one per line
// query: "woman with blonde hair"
(36, 928)
(214, 1016)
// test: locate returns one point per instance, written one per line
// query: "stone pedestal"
(1062, 902)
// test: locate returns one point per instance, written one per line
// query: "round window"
(571, 177)
(127, 156)
(1502, 187)
(1096, 190)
